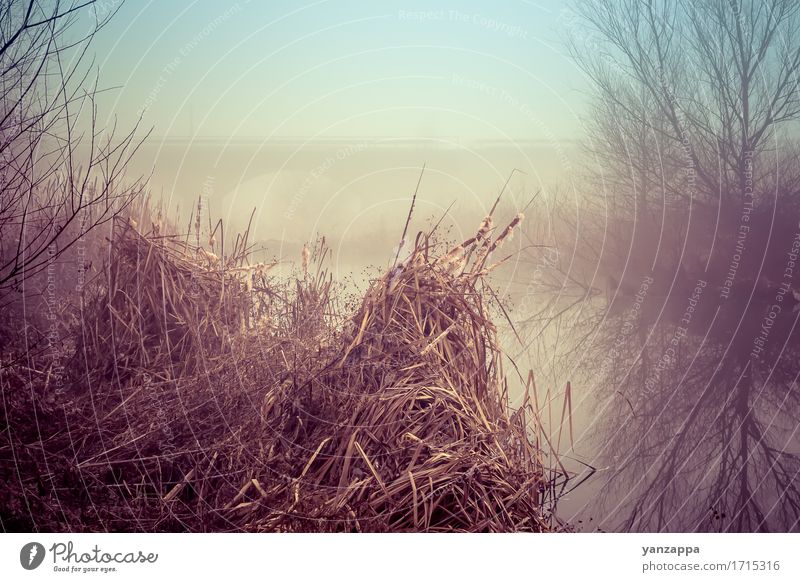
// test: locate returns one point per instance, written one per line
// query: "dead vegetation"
(205, 395)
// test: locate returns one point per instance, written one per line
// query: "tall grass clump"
(207, 394)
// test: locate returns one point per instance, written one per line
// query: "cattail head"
(508, 233)
(457, 264)
(485, 227)
(197, 220)
(211, 258)
(453, 261)
(306, 256)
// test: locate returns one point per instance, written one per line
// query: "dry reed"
(206, 395)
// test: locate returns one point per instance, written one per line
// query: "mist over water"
(355, 192)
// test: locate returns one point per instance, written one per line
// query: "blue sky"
(338, 68)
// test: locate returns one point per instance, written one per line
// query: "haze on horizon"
(319, 115)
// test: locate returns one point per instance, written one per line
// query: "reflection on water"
(683, 376)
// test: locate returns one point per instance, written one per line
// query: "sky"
(323, 69)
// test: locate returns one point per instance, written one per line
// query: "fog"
(355, 192)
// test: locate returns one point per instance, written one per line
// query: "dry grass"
(206, 396)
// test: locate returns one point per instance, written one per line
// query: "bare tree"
(62, 175)
(694, 185)
(711, 80)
